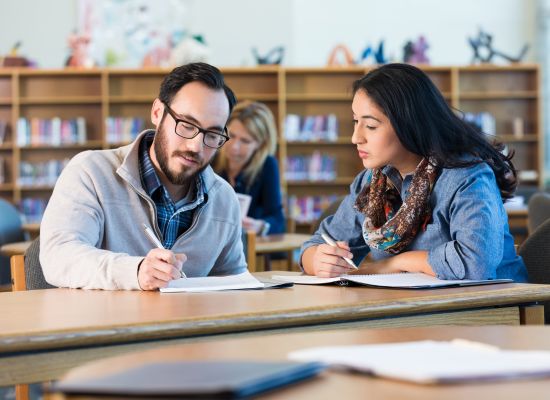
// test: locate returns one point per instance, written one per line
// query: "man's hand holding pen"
(159, 267)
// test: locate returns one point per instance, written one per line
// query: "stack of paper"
(433, 361)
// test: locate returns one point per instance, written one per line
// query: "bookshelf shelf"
(531, 137)
(344, 141)
(529, 94)
(332, 182)
(509, 93)
(36, 188)
(319, 97)
(61, 100)
(91, 144)
(130, 99)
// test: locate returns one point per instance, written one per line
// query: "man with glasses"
(92, 233)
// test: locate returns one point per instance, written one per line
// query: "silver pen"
(152, 237)
(331, 241)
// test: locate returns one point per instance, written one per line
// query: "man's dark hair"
(194, 72)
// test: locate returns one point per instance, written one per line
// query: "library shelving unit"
(511, 94)
(7, 115)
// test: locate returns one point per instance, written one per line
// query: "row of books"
(40, 173)
(3, 177)
(54, 131)
(4, 126)
(311, 128)
(316, 167)
(32, 209)
(308, 208)
(484, 121)
(120, 129)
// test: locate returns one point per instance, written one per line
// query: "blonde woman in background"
(248, 164)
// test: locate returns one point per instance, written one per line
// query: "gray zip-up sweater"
(91, 235)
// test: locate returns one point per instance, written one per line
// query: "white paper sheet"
(433, 361)
(213, 283)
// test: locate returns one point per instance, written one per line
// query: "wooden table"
(280, 243)
(14, 249)
(345, 385)
(286, 242)
(517, 220)
(32, 228)
(63, 318)
(70, 321)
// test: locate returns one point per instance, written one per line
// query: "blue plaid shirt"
(173, 219)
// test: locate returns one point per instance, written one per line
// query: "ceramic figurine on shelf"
(482, 45)
(273, 57)
(340, 55)
(192, 48)
(13, 59)
(415, 52)
(78, 43)
(378, 54)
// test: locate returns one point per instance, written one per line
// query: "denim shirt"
(467, 238)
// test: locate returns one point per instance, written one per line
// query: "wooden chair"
(26, 271)
(535, 252)
(538, 210)
(249, 247)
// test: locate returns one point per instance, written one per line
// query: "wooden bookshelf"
(509, 93)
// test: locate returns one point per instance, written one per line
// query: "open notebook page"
(212, 283)
(397, 280)
(433, 361)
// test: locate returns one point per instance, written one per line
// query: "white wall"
(307, 28)
(41, 26)
(320, 24)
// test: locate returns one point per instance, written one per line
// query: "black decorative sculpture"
(484, 51)
(273, 57)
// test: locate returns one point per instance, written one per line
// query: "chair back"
(330, 210)
(10, 231)
(26, 270)
(538, 210)
(249, 248)
(535, 252)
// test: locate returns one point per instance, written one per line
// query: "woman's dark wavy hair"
(426, 125)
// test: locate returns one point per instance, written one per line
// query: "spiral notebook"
(406, 280)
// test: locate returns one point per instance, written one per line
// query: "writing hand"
(159, 267)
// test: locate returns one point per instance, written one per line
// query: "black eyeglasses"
(188, 130)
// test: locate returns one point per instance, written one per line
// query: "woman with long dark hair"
(431, 196)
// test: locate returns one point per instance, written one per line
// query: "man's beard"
(182, 178)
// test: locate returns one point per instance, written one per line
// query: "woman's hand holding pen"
(159, 267)
(328, 261)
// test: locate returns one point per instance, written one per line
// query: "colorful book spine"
(311, 128)
(53, 132)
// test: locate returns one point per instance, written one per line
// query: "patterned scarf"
(390, 224)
